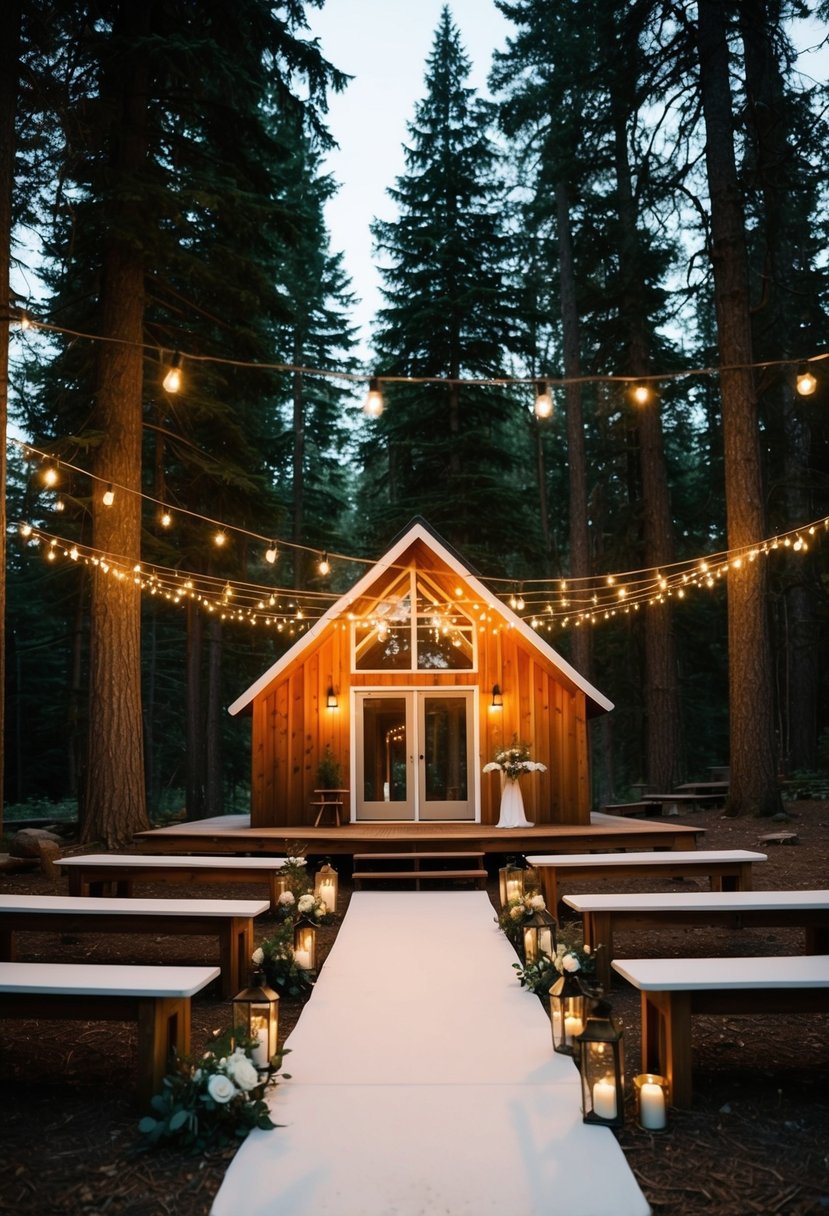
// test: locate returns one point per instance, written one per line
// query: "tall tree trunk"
(298, 476)
(662, 708)
(9, 51)
(115, 802)
(574, 411)
(195, 759)
(753, 783)
(783, 229)
(214, 789)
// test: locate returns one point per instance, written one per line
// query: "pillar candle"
(604, 1098)
(652, 1106)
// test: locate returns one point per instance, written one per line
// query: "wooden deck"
(233, 834)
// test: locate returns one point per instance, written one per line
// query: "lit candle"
(302, 958)
(327, 895)
(572, 1027)
(604, 1098)
(652, 1106)
(545, 942)
(514, 886)
(259, 1053)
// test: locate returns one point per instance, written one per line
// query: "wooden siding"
(292, 726)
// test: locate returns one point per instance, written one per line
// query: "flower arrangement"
(571, 955)
(276, 958)
(514, 761)
(512, 916)
(211, 1102)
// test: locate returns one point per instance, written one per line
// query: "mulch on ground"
(755, 1141)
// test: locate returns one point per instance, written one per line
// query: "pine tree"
(449, 453)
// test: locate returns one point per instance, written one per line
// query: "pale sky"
(384, 44)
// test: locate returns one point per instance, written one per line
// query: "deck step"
(476, 874)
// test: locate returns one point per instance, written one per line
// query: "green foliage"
(328, 770)
(275, 956)
(537, 977)
(213, 1101)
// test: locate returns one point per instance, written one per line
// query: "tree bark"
(753, 781)
(9, 52)
(194, 796)
(115, 802)
(215, 788)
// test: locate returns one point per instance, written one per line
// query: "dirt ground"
(756, 1140)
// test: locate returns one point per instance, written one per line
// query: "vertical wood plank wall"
(292, 726)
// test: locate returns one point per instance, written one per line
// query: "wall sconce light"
(330, 698)
(497, 697)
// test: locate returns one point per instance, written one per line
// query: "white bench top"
(103, 979)
(698, 974)
(700, 901)
(151, 862)
(118, 907)
(666, 857)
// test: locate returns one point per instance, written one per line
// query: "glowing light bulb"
(165, 518)
(109, 496)
(220, 539)
(806, 383)
(324, 566)
(172, 381)
(50, 474)
(271, 553)
(543, 400)
(373, 405)
(641, 394)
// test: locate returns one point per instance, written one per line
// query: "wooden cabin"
(412, 682)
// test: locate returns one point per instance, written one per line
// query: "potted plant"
(328, 770)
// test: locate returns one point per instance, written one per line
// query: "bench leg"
(598, 932)
(8, 952)
(666, 1041)
(163, 1027)
(235, 949)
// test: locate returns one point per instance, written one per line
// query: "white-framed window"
(414, 627)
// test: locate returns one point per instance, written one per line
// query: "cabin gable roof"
(409, 548)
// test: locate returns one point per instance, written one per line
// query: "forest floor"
(755, 1141)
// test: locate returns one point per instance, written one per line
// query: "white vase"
(512, 807)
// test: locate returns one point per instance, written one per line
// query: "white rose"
(221, 1088)
(241, 1069)
(587, 949)
(258, 957)
(306, 903)
(571, 963)
(287, 898)
(537, 902)
(517, 913)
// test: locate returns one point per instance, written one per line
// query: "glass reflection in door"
(384, 759)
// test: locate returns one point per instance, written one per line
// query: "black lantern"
(539, 936)
(256, 1017)
(569, 1006)
(510, 882)
(602, 1069)
(305, 945)
(325, 886)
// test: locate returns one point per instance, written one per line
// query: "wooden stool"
(328, 800)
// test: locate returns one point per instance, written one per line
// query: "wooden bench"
(473, 869)
(156, 998)
(726, 869)
(116, 873)
(231, 920)
(603, 914)
(650, 809)
(675, 988)
(677, 800)
(328, 801)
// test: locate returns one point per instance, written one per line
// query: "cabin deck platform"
(233, 834)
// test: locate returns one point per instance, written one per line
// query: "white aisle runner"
(423, 1081)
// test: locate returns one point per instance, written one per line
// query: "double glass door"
(414, 754)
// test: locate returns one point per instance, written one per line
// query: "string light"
(220, 539)
(271, 553)
(806, 382)
(50, 474)
(373, 405)
(109, 496)
(641, 394)
(172, 381)
(165, 518)
(543, 400)
(324, 566)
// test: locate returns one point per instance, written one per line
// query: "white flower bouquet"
(514, 761)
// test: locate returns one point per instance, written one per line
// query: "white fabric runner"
(423, 1081)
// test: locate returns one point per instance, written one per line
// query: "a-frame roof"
(419, 530)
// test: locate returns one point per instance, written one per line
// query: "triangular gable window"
(438, 636)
